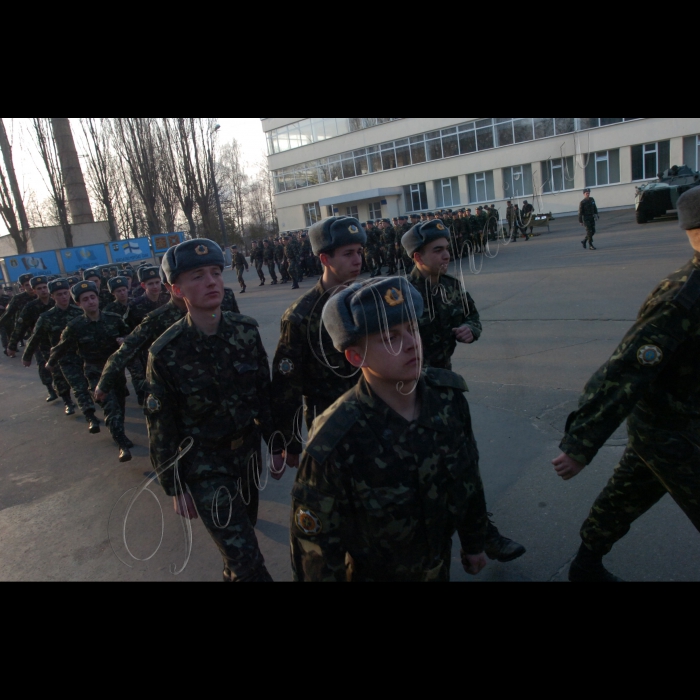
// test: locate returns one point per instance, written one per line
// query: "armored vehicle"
(656, 198)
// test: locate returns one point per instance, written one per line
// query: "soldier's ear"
(177, 291)
(355, 356)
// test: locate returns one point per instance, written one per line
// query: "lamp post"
(222, 224)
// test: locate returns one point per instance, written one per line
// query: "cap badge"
(201, 250)
(308, 522)
(394, 297)
(83, 286)
(650, 356)
(440, 227)
(353, 229)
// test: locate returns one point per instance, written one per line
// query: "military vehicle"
(656, 198)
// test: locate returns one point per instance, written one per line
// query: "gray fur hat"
(689, 209)
(361, 309)
(423, 234)
(199, 252)
(326, 236)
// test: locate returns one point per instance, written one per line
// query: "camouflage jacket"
(18, 302)
(93, 341)
(24, 325)
(292, 251)
(306, 366)
(279, 253)
(5, 300)
(214, 389)
(386, 492)
(48, 329)
(446, 307)
(588, 209)
(257, 256)
(126, 312)
(388, 238)
(654, 375)
(141, 307)
(105, 295)
(239, 261)
(269, 255)
(373, 240)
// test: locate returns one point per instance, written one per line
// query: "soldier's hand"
(566, 467)
(292, 460)
(464, 334)
(100, 395)
(27, 363)
(11, 353)
(184, 506)
(279, 466)
(474, 564)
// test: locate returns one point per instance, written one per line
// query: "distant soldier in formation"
(17, 303)
(279, 259)
(241, 264)
(269, 259)
(5, 299)
(528, 217)
(587, 215)
(510, 218)
(257, 258)
(292, 253)
(154, 295)
(388, 241)
(100, 281)
(374, 249)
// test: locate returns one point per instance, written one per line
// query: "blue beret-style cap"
(39, 279)
(367, 308)
(199, 252)
(58, 285)
(336, 232)
(423, 234)
(83, 288)
(117, 282)
(689, 209)
(23, 279)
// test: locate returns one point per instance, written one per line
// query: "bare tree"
(11, 204)
(234, 184)
(41, 212)
(49, 156)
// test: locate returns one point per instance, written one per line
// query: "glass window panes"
(481, 187)
(517, 181)
(691, 152)
(650, 159)
(375, 211)
(352, 211)
(558, 175)
(416, 197)
(312, 213)
(603, 168)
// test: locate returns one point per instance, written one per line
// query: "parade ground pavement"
(552, 314)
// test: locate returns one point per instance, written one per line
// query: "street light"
(222, 224)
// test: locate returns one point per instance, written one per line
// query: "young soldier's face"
(62, 298)
(97, 281)
(121, 295)
(202, 289)
(346, 262)
(27, 286)
(435, 257)
(152, 288)
(89, 302)
(390, 356)
(42, 291)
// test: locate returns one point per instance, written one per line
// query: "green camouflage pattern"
(26, 320)
(104, 295)
(446, 306)
(135, 364)
(378, 498)
(141, 307)
(300, 374)
(587, 212)
(292, 253)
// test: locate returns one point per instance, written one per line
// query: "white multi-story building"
(383, 167)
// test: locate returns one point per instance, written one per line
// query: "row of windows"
(691, 152)
(435, 145)
(318, 129)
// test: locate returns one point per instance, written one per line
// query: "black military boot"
(592, 247)
(93, 422)
(53, 396)
(500, 548)
(588, 568)
(584, 244)
(70, 406)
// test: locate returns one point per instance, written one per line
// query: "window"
(312, 213)
(650, 159)
(329, 211)
(517, 181)
(352, 211)
(603, 168)
(416, 197)
(481, 187)
(447, 192)
(558, 175)
(691, 152)
(375, 211)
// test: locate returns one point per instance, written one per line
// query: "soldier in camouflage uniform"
(653, 380)
(240, 263)
(292, 253)
(389, 474)
(93, 275)
(279, 259)
(374, 249)
(154, 295)
(269, 259)
(95, 336)
(209, 382)
(47, 333)
(449, 316)
(388, 241)
(257, 258)
(5, 299)
(307, 370)
(307, 256)
(587, 215)
(24, 326)
(17, 303)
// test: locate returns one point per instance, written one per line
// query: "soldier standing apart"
(47, 333)
(269, 259)
(258, 259)
(528, 215)
(209, 381)
(653, 380)
(94, 336)
(17, 303)
(449, 316)
(510, 217)
(391, 470)
(587, 215)
(240, 263)
(308, 373)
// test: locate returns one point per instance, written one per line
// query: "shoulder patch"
(173, 332)
(445, 378)
(332, 426)
(689, 295)
(240, 318)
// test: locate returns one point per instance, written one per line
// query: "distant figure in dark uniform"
(587, 215)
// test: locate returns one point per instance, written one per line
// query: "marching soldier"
(374, 255)
(653, 381)
(528, 218)
(209, 382)
(279, 259)
(388, 239)
(587, 215)
(292, 253)
(257, 258)
(154, 295)
(100, 281)
(17, 303)
(269, 259)
(241, 264)
(510, 218)
(5, 299)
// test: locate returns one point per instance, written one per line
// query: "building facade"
(384, 167)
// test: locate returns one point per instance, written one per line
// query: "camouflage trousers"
(4, 338)
(271, 270)
(114, 405)
(374, 260)
(590, 229)
(57, 381)
(390, 259)
(138, 373)
(44, 374)
(259, 270)
(239, 274)
(295, 272)
(72, 371)
(229, 513)
(654, 464)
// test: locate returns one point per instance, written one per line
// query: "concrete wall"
(52, 238)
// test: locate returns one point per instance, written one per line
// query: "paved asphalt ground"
(552, 314)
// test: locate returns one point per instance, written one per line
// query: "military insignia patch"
(650, 356)
(286, 367)
(83, 286)
(308, 522)
(353, 229)
(440, 227)
(153, 404)
(201, 250)
(394, 297)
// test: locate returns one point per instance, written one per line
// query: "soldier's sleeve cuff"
(582, 451)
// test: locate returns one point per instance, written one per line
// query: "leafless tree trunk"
(49, 156)
(234, 184)
(11, 204)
